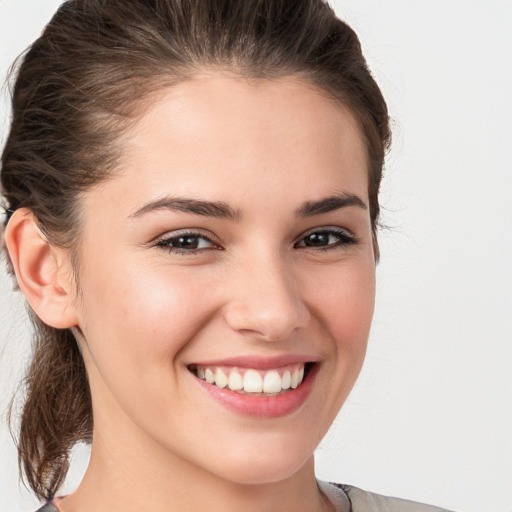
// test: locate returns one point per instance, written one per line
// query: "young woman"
(192, 202)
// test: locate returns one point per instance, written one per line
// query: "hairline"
(165, 82)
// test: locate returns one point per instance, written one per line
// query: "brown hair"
(78, 88)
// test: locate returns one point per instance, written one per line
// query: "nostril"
(269, 321)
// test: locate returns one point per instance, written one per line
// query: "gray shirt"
(346, 497)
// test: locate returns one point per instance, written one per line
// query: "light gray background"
(431, 416)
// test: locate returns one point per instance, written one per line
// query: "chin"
(264, 466)
(262, 474)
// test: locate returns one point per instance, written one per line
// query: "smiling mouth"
(250, 381)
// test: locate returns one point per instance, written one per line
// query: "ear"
(43, 271)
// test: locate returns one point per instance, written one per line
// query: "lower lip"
(263, 406)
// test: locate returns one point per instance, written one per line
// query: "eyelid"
(343, 233)
(329, 228)
(197, 232)
(175, 233)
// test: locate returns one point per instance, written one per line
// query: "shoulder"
(49, 507)
(364, 501)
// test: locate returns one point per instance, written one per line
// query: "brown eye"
(326, 238)
(188, 242)
(185, 242)
(318, 240)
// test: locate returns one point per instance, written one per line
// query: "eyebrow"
(329, 204)
(217, 209)
(221, 210)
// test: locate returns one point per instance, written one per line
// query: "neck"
(152, 479)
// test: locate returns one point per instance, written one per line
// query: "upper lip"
(258, 362)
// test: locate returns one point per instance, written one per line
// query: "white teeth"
(251, 380)
(221, 381)
(235, 382)
(209, 376)
(295, 379)
(272, 382)
(253, 383)
(286, 381)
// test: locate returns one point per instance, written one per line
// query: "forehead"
(221, 135)
(234, 108)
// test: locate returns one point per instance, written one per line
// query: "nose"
(266, 302)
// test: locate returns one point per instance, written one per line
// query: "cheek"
(345, 308)
(136, 326)
(342, 299)
(140, 316)
(345, 302)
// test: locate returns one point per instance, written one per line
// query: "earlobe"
(43, 275)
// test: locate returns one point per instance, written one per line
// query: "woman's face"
(233, 244)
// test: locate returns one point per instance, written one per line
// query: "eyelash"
(344, 239)
(166, 242)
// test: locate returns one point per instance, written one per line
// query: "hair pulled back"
(80, 85)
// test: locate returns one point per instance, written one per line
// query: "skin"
(253, 288)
